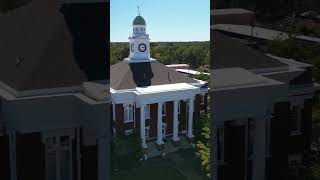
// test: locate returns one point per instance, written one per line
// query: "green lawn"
(181, 165)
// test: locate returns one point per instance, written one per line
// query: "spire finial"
(138, 6)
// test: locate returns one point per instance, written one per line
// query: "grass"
(182, 165)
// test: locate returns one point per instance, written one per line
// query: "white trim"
(154, 94)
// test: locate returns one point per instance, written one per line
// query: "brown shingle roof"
(125, 75)
(229, 52)
(45, 44)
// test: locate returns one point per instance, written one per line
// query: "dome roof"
(139, 21)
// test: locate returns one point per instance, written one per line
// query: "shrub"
(126, 150)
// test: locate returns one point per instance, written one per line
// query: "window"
(220, 144)
(295, 158)
(164, 126)
(141, 29)
(58, 150)
(163, 109)
(128, 113)
(147, 130)
(295, 120)
(179, 108)
(147, 111)
(128, 132)
(202, 99)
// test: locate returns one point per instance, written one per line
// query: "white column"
(175, 122)
(190, 119)
(159, 125)
(258, 171)
(142, 127)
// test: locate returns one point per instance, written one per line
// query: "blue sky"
(167, 20)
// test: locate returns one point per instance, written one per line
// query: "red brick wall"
(277, 165)
(197, 107)
(30, 155)
(183, 116)
(169, 117)
(154, 120)
(234, 153)
(137, 118)
(89, 162)
(119, 124)
(4, 158)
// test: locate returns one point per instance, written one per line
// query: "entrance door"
(59, 155)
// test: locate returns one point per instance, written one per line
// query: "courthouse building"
(159, 101)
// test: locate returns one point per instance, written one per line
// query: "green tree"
(202, 137)
(203, 150)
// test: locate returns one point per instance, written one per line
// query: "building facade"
(263, 109)
(151, 97)
(54, 92)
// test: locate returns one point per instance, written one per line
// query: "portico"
(159, 96)
(159, 130)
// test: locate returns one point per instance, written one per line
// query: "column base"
(160, 147)
(175, 139)
(160, 142)
(190, 138)
(144, 146)
(175, 142)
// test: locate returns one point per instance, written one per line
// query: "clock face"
(131, 47)
(142, 47)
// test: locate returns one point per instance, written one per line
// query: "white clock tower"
(139, 42)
